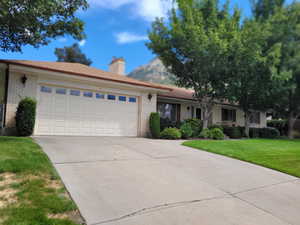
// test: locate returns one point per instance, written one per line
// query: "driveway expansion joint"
(262, 209)
(265, 186)
(160, 207)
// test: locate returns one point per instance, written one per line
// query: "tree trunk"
(207, 112)
(247, 124)
(291, 123)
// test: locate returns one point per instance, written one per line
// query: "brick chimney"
(117, 66)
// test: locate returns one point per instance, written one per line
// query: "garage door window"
(100, 96)
(75, 92)
(88, 94)
(132, 99)
(122, 98)
(46, 89)
(61, 91)
(111, 97)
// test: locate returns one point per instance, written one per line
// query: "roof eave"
(85, 75)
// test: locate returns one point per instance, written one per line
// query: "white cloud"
(62, 39)
(82, 43)
(127, 37)
(146, 9)
(112, 4)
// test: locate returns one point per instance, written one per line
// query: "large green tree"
(72, 54)
(285, 24)
(194, 44)
(286, 30)
(253, 70)
(263, 9)
(36, 22)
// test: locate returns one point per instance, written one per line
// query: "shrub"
(196, 125)
(254, 132)
(186, 130)
(205, 133)
(216, 133)
(25, 116)
(216, 126)
(233, 132)
(280, 125)
(170, 133)
(269, 132)
(154, 125)
(166, 123)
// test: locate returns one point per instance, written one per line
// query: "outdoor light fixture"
(24, 79)
(150, 96)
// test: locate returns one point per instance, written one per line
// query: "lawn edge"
(243, 160)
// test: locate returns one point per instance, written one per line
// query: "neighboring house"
(74, 99)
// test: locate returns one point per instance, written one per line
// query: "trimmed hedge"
(269, 132)
(186, 130)
(155, 124)
(280, 125)
(233, 132)
(170, 133)
(254, 132)
(25, 117)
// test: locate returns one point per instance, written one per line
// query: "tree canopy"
(195, 44)
(263, 9)
(72, 54)
(217, 54)
(36, 22)
(285, 25)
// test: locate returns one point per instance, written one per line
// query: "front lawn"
(30, 189)
(281, 155)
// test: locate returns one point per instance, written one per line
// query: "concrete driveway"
(136, 181)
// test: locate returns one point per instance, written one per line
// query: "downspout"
(5, 95)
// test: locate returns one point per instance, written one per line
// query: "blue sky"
(113, 28)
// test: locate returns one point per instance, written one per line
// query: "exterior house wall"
(217, 114)
(17, 91)
(146, 108)
(184, 112)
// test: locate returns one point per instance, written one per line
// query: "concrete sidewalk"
(136, 181)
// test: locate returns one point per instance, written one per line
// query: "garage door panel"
(64, 113)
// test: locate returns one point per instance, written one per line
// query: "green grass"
(281, 155)
(22, 155)
(35, 197)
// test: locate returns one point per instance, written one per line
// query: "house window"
(100, 96)
(132, 99)
(75, 92)
(122, 98)
(61, 91)
(46, 89)
(228, 115)
(255, 117)
(198, 113)
(88, 94)
(169, 111)
(111, 97)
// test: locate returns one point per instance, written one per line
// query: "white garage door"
(63, 111)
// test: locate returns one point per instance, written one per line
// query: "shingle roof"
(84, 71)
(179, 93)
